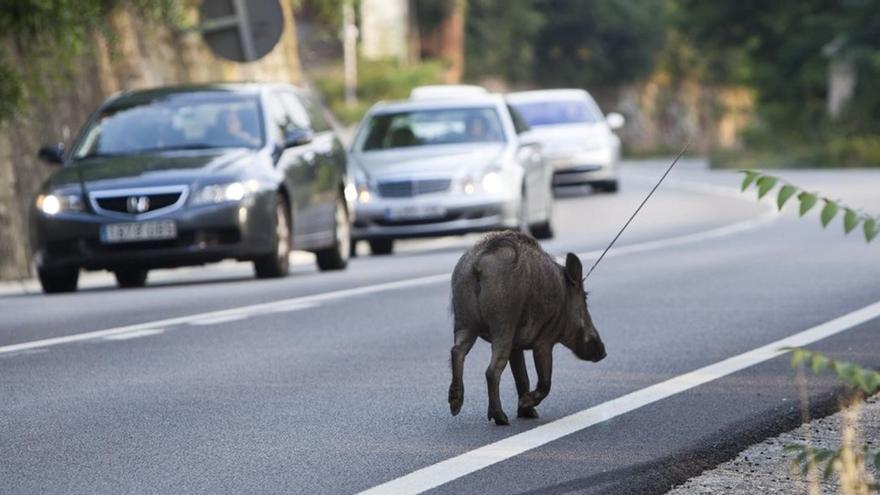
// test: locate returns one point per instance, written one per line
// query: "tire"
(608, 186)
(381, 247)
(277, 264)
(127, 278)
(57, 281)
(336, 257)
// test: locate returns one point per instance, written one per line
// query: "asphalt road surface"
(210, 381)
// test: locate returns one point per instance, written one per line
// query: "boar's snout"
(592, 349)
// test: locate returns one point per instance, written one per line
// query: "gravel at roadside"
(764, 468)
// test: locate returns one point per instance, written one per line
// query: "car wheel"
(381, 247)
(608, 186)
(336, 258)
(55, 281)
(277, 264)
(127, 278)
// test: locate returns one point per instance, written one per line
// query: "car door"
(293, 161)
(330, 161)
(531, 159)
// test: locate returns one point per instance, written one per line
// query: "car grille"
(119, 204)
(141, 203)
(410, 188)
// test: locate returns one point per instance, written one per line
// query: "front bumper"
(583, 167)
(461, 214)
(205, 234)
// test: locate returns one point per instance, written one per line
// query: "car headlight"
(221, 193)
(492, 182)
(55, 203)
(363, 193)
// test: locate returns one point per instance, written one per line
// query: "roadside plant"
(807, 200)
(849, 460)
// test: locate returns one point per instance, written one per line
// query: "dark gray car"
(179, 176)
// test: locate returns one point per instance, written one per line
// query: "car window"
(174, 122)
(519, 123)
(278, 117)
(316, 113)
(544, 113)
(433, 127)
(299, 118)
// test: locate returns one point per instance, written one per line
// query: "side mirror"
(52, 154)
(298, 137)
(615, 120)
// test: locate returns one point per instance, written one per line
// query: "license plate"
(141, 231)
(414, 212)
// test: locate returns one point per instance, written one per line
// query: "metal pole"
(349, 50)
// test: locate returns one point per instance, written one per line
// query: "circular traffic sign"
(241, 30)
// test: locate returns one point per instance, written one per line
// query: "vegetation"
(852, 217)
(377, 81)
(52, 34)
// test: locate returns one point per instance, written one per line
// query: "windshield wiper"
(179, 147)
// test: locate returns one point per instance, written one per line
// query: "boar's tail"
(492, 245)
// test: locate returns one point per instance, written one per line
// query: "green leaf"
(850, 220)
(871, 229)
(829, 468)
(765, 184)
(877, 460)
(785, 193)
(750, 177)
(818, 363)
(797, 357)
(828, 212)
(796, 447)
(808, 201)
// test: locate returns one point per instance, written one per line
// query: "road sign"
(241, 30)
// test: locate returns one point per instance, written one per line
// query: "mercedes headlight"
(222, 193)
(55, 203)
(492, 183)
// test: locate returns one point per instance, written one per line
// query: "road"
(209, 381)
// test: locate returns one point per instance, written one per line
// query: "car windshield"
(433, 127)
(175, 122)
(545, 113)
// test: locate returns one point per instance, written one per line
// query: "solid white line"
(135, 334)
(474, 460)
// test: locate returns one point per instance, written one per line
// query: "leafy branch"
(852, 217)
(809, 456)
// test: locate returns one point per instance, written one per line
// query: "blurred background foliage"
(781, 52)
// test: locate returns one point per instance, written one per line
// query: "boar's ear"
(573, 269)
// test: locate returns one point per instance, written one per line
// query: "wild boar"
(507, 290)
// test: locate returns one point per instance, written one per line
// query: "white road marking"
(474, 460)
(219, 319)
(304, 302)
(135, 334)
(285, 304)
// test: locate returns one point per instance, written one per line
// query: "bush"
(856, 151)
(377, 81)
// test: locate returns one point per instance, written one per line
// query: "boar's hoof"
(529, 400)
(499, 417)
(456, 398)
(527, 413)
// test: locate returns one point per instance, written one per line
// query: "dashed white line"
(456, 467)
(135, 334)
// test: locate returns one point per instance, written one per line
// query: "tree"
(499, 37)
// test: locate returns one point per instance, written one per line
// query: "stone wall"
(137, 56)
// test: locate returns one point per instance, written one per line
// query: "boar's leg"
(544, 366)
(464, 340)
(521, 378)
(500, 354)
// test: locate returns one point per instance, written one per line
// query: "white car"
(577, 138)
(441, 166)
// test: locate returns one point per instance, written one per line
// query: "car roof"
(465, 101)
(446, 91)
(142, 95)
(547, 95)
